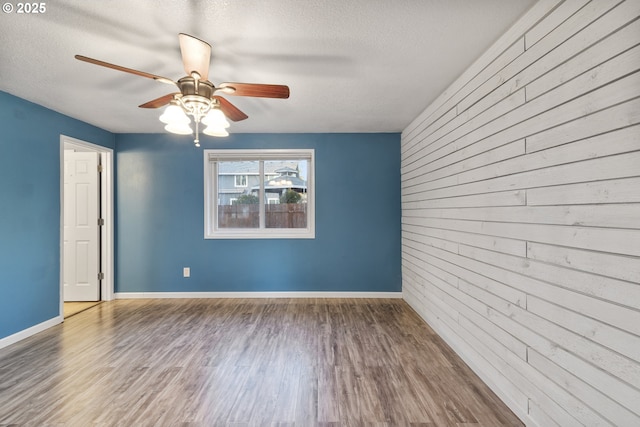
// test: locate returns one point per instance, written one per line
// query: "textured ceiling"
(352, 65)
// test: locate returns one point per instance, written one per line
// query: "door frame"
(106, 212)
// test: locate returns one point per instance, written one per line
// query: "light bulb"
(215, 118)
(179, 128)
(174, 114)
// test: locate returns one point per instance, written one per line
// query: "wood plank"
(597, 54)
(606, 191)
(534, 117)
(508, 246)
(470, 120)
(619, 241)
(593, 125)
(502, 198)
(622, 292)
(623, 215)
(613, 338)
(600, 124)
(429, 291)
(410, 144)
(566, 348)
(604, 264)
(467, 311)
(600, 76)
(442, 269)
(435, 242)
(541, 417)
(609, 409)
(598, 169)
(610, 313)
(495, 155)
(430, 273)
(461, 126)
(552, 21)
(575, 34)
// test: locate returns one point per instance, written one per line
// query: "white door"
(81, 230)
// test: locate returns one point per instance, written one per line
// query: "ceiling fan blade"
(159, 102)
(257, 90)
(125, 69)
(196, 55)
(231, 111)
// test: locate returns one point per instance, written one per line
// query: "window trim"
(211, 230)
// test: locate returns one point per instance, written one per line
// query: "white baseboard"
(26, 333)
(142, 295)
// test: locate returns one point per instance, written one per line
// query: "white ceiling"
(352, 65)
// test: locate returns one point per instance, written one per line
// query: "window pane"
(238, 190)
(285, 195)
(259, 194)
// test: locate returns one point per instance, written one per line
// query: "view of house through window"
(237, 206)
(259, 193)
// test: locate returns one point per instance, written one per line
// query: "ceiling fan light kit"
(179, 128)
(215, 132)
(174, 114)
(198, 99)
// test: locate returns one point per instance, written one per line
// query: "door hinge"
(100, 168)
(100, 276)
(100, 222)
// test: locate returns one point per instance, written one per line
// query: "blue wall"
(160, 219)
(160, 224)
(30, 209)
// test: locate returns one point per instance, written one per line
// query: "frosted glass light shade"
(174, 114)
(179, 128)
(215, 131)
(215, 118)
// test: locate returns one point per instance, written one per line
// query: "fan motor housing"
(190, 86)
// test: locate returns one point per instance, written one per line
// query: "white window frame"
(235, 181)
(211, 230)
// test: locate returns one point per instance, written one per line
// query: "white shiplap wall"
(521, 214)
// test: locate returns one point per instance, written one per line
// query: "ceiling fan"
(197, 96)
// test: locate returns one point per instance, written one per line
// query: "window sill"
(262, 234)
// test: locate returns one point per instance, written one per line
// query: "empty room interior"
(320, 213)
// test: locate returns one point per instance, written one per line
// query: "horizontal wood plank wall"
(521, 214)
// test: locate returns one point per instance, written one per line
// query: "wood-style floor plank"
(249, 362)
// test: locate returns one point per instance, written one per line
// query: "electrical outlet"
(186, 272)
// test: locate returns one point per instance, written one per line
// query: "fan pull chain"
(197, 140)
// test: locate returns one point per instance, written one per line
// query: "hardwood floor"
(208, 362)
(71, 308)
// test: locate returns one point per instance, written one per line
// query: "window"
(256, 194)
